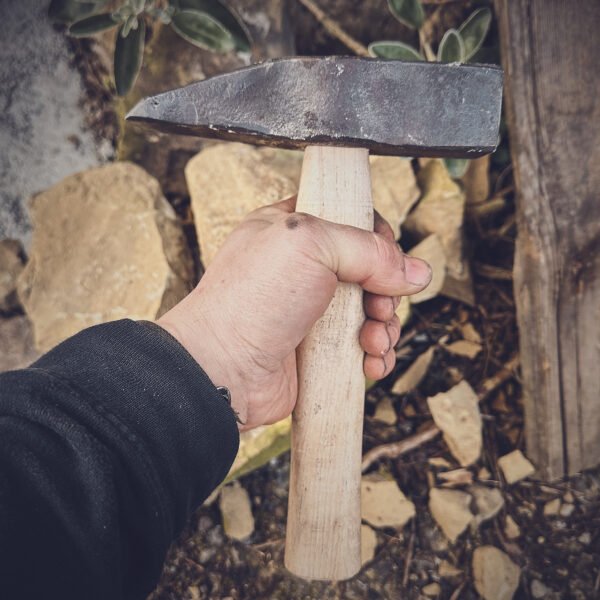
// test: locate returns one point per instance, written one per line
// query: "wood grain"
(323, 527)
(550, 51)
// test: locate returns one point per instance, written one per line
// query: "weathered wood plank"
(550, 52)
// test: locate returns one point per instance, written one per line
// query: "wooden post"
(550, 53)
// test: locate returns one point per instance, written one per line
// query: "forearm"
(106, 445)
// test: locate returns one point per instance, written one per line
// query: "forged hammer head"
(387, 106)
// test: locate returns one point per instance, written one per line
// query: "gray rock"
(11, 265)
(42, 131)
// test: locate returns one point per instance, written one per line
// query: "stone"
(488, 502)
(11, 265)
(411, 378)
(441, 211)
(464, 348)
(385, 412)
(431, 251)
(432, 590)
(258, 446)
(44, 133)
(383, 504)
(515, 466)
(227, 181)
(439, 462)
(450, 510)
(469, 333)
(236, 512)
(552, 508)
(511, 530)
(566, 510)
(368, 544)
(496, 576)
(16, 343)
(484, 474)
(540, 590)
(106, 245)
(456, 413)
(403, 311)
(476, 180)
(455, 478)
(395, 189)
(447, 570)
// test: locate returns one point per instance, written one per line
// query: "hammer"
(338, 109)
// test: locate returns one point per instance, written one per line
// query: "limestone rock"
(258, 446)
(383, 504)
(106, 246)
(227, 181)
(411, 378)
(496, 576)
(432, 590)
(515, 466)
(450, 509)
(552, 508)
(403, 310)
(368, 544)
(476, 180)
(236, 512)
(441, 211)
(448, 571)
(11, 265)
(488, 502)
(464, 348)
(16, 343)
(511, 529)
(395, 189)
(455, 478)
(385, 412)
(456, 413)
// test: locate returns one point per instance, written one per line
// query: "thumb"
(374, 262)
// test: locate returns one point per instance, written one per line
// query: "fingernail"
(418, 272)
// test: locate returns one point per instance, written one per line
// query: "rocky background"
(100, 221)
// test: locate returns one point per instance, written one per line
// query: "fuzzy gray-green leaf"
(395, 50)
(129, 52)
(456, 166)
(452, 48)
(474, 30)
(409, 12)
(202, 30)
(92, 25)
(223, 15)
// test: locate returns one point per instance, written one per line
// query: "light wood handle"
(323, 526)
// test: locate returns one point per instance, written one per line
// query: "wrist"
(196, 334)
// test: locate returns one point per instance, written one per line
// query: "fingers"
(381, 308)
(382, 227)
(378, 367)
(377, 338)
(369, 259)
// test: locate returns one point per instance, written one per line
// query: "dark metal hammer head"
(387, 106)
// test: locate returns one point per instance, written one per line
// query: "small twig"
(457, 591)
(493, 272)
(334, 29)
(409, 555)
(396, 449)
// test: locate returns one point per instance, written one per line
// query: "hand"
(269, 283)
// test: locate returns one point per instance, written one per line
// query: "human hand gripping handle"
(274, 277)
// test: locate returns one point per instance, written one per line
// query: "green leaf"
(409, 12)
(456, 166)
(474, 30)
(129, 52)
(67, 11)
(202, 30)
(452, 48)
(91, 25)
(395, 50)
(224, 16)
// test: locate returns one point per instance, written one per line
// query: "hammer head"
(387, 106)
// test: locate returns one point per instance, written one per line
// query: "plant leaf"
(409, 12)
(91, 25)
(474, 30)
(224, 16)
(129, 51)
(395, 50)
(202, 30)
(67, 11)
(452, 48)
(456, 166)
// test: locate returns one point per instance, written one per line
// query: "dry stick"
(396, 449)
(334, 29)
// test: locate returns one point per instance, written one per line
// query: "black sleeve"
(107, 443)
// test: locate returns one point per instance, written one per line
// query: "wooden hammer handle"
(323, 526)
